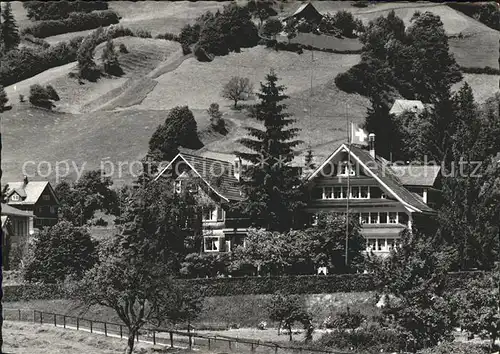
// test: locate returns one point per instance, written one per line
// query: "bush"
(27, 292)
(359, 4)
(74, 23)
(55, 10)
(59, 252)
(168, 36)
(123, 48)
(201, 54)
(372, 337)
(202, 265)
(38, 41)
(348, 320)
(42, 97)
(186, 49)
(18, 65)
(142, 33)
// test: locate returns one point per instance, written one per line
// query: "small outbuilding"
(306, 11)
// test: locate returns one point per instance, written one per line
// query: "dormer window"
(345, 169)
(46, 197)
(15, 197)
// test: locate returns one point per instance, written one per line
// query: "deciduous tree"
(237, 89)
(60, 251)
(3, 100)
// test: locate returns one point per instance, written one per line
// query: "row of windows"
(341, 192)
(378, 218)
(213, 214)
(381, 244)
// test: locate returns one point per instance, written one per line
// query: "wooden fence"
(159, 336)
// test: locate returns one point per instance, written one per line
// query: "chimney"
(237, 168)
(25, 181)
(371, 143)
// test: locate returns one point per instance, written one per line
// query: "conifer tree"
(10, 33)
(3, 99)
(272, 187)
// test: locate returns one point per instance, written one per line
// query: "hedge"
(76, 21)
(301, 284)
(488, 70)
(299, 48)
(27, 292)
(18, 65)
(55, 10)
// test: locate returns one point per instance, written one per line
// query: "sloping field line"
(157, 336)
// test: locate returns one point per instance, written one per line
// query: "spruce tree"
(3, 100)
(10, 33)
(272, 187)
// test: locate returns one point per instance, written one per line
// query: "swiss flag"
(358, 135)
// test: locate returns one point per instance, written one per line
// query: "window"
(177, 186)
(381, 244)
(15, 197)
(346, 169)
(337, 192)
(393, 218)
(328, 193)
(382, 218)
(365, 218)
(46, 197)
(213, 214)
(355, 192)
(212, 244)
(364, 192)
(52, 210)
(371, 244)
(374, 218)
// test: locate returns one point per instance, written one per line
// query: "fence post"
(276, 349)
(90, 326)
(209, 343)
(34, 316)
(55, 320)
(190, 343)
(252, 348)
(137, 336)
(229, 344)
(19, 314)
(171, 339)
(154, 337)
(105, 330)
(41, 318)
(121, 331)
(77, 323)
(64, 321)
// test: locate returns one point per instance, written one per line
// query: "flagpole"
(348, 187)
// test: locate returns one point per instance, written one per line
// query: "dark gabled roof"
(412, 175)
(217, 174)
(381, 171)
(387, 176)
(30, 192)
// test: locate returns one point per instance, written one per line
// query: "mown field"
(27, 338)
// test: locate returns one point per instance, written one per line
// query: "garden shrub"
(204, 265)
(168, 36)
(38, 41)
(345, 320)
(74, 23)
(371, 337)
(123, 48)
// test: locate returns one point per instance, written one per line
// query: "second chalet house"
(37, 197)
(219, 183)
(382, 195)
